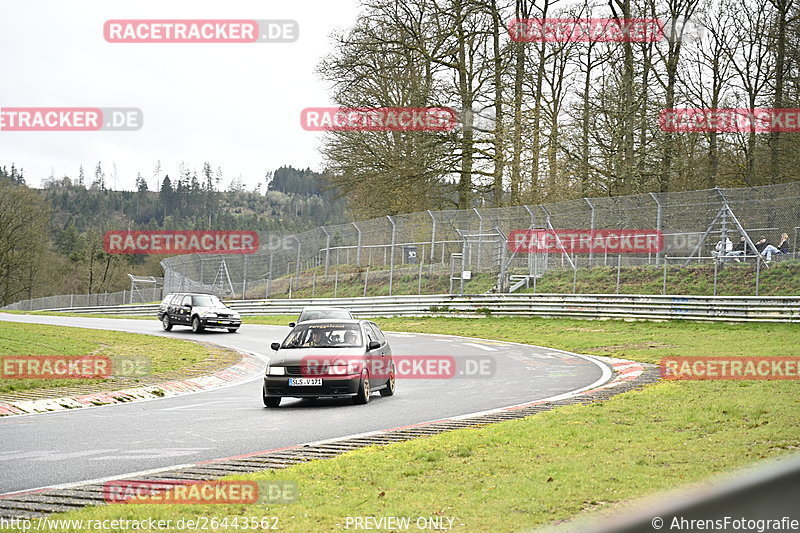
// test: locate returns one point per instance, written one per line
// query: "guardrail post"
(366, 277)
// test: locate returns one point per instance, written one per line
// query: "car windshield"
(207, 301)
(321, 314)
(324, 336)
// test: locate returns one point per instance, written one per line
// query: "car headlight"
(276, 371)
(209, 315)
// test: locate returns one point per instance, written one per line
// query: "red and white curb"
(250, 367)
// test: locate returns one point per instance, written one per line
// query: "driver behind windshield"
(317, 338)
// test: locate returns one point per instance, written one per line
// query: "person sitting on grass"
(769, 250)
(722, 249)
(740, 250)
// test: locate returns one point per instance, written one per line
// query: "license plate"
(305, 382)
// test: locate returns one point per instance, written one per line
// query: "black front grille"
(294, 370)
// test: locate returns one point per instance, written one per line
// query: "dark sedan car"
(198, 311)
(330, 358)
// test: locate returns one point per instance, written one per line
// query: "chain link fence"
(458, 251)
(137, 296)
(465, 250)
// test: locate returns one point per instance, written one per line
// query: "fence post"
(658, 221)
(664, 288)
(391, 258)
(297, 262)
(244, 277)
(716, 269)
(433, 235)
(71, 296)
(358, 244)
(419, 281)
(327, 248)
(314, 284)
(575, 276)
(335, 283)
(366, 277)
(758, 270)
(591, 229)
(619, 266)
(480, 235)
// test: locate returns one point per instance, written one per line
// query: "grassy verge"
(161, 355)
(735, 279)
(558, 464)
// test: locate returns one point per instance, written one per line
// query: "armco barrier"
(645, 307)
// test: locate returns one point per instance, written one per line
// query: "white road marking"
(479, 346)
(189, 406)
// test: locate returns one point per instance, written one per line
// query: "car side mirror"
(275, 346)
(188, 306)
(373, 345)
(292, 324)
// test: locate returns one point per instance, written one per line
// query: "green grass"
(161, 354)
(735, 279)
(559, 464)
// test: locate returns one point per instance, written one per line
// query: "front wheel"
(165, 323)
(232, 330)
(197, 327)
(363, 390)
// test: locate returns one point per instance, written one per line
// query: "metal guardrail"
(761, 498)
(646, 307)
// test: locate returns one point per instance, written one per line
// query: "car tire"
(232, 330)
(197, 327)
(165, 323)
(272, 401)
(389, 389)
(363, 390)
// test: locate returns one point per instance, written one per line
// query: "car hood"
(214, 309)
(296, 356)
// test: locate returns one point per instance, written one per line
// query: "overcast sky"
(235, 105)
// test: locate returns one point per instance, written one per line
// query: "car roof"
(324, 308)
(332, 320)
